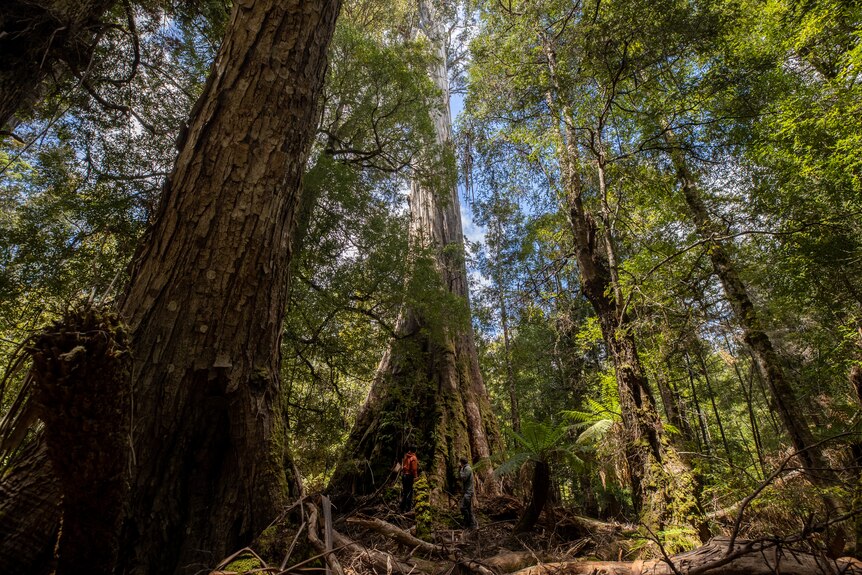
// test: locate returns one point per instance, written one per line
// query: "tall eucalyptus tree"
(428, 389)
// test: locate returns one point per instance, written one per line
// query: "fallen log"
(509, 561)
(746, 558)
(591, 525)
(400, 536)
(380, 561)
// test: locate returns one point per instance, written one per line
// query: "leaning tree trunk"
(207, 296)
(662, 485)
(428, 389)
(34, 36)
(783, 397)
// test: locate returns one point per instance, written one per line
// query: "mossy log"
(746, 558)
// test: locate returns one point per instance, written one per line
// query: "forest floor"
(378, 540)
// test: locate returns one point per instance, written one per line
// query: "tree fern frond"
(512, 464)
(596, 432)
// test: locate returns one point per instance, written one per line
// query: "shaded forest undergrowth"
(308, 538)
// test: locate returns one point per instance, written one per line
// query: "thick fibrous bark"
(82, 387)
(30, 496)
(768, 362)
(747, 558)
(207, 295)
(540, 485)
(428, 389)
(34, 35)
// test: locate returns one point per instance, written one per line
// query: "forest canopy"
(608, 251)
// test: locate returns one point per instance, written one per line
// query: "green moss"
(424, 516)
(243, 564)
(270, 543)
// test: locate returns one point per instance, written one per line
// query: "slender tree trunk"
(701, 420)
(669, 397)
(514, 412)
(428, 389)
(541, 484)
(34, 36)
(783, 397)
(747, 393)
(207, 296)
(706, 380)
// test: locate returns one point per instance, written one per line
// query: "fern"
(596, 432)
(539, 442)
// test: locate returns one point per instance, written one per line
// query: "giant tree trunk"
(768, 363)
(34, 36)
(428, 389)
(207, 295)
(205, 306)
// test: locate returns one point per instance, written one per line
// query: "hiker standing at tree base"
(467, 497)
(409, 473)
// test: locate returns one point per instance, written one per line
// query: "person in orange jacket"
(409, 473)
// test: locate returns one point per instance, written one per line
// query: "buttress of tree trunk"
(34, 36)
(207, 295)
(428, 389)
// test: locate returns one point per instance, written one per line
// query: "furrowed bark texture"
(428, 389)
(783, 397)
(207, 295)
(34, 36)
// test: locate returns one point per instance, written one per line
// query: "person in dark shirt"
(467, 486)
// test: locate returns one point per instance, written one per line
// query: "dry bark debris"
(404, 538)
(746, 558)
(370, 553)
(320, 546)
